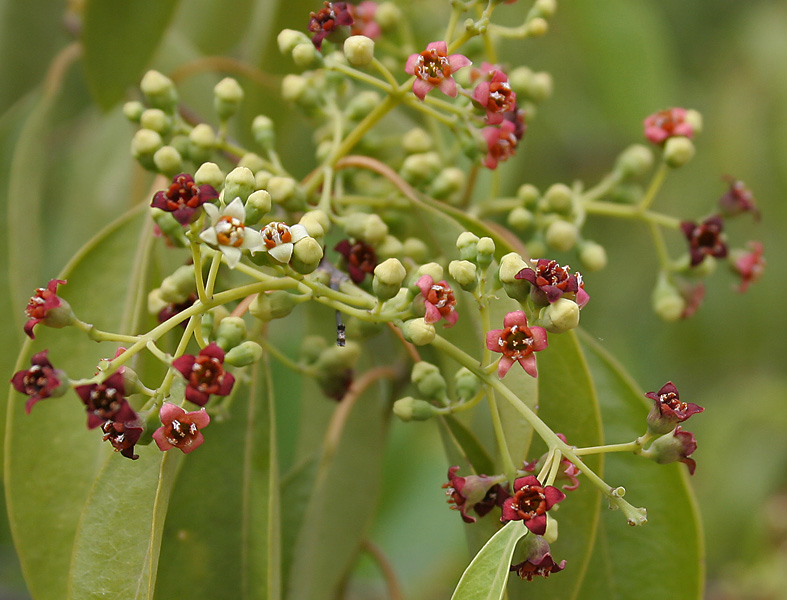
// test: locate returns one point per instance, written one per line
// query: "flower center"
(499, 97)
(206, 374)
(516, 342)
(182, 193)
(181, 434)
(35, 381)
(36, 306)
(530, 502)
(276, 233)
(442, 298)
(105, 401)
(432, 66)
(672, 401)
(229, 231)
(553, 274)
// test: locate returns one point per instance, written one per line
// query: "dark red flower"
(184, 198)
(539, 561)
(517, 342)
(749, 265)
(668, 410)
(676, 446)
(693, 293)
(40, 381)
(180, 429)
(738, 200)
(494, 94)
(205, 374)
(479, 492)
(360, 256)
(530, 503)
(123, 436)
(666, 124)
(550, 281)
(325, 21)
(46, 307)
(439, 300)
(517, 118)
(105, 402)
(568, 473)
(501, 142)
(705, 239)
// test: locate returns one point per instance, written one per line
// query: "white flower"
(278, 239)
(228, 232)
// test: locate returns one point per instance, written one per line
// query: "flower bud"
(416, 249)
(177, 287)
(276, 304)
(261, 179)
(257, 206)
(421, 167)
(416, 141)
(678, 151)
(528, 194)
(537, 27)
(168, 161)
(133, 110)
(466, 383)
(668, 303)
(558, 198)
(560, 316)
(634, 161)
(306, 55)
(486, 252)
(227, 96)
(369, 228)
(263, 131)
(209, 173)
(289, 38)
(390, 247)
(306, 255)
(230, 332)
(433, 269)
(536, 247)
(448, 182)
(428, 379)
(561, 235)
(464, 273)
(316, 222)
(510, 265)
(388, 278)
(244, 354)
(155, 302)
(520, 218)
(144, 145)
(467, 244)
(284, 191)
(694, 118)
(520, 80)
(545, 8)
(311, 348)
(540, 86)
(239, 183)
(388, 16)
(675, 446)
(338, 358)
(201, 142)
(252, 161)
(361, 105)
(593, 256)
(159, 91)
(211, 319)
(169, 227)
(155, 119)
(359, 50)
(418, 332)
(411, 409)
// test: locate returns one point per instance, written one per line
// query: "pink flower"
(501, 142)
(705, 239)
(205, 374)
(517, 342)
(184, 198)
(530, 503)
(494, 94)
(325, 21)
(48, 308)
(180, 429)
(550, 282)
(105, 402)
(668, 410)
(479, 492)
(363, 16)
(40, 381)
(123, 436)
(539, 561)
(433, 69)
(666, 124)
(439, 300)
(748, 265)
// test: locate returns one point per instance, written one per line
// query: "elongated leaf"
(622, 565)
(119, 40)
(485, 578)
(470, 445)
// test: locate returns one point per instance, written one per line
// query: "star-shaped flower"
(668, 123)
(183, 198)
(228, 232)
(550, 281)
(439, 300)
(205, 374)
(705, 239)
(530, 503)
(668, 410)
(40, 381)
(517, 342)
(180, 429)
(278, 239)
(46, 307)
(434, 69)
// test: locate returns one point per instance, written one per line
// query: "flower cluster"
(674, 444)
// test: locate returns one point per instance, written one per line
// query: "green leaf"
(485, 578)
(466, 440)
(119, 39)
(622, 564)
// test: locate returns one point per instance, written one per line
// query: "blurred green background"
(65, 170)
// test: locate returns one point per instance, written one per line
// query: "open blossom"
(278, 239)
(538, 561)
(363, 17)
(228, 232)
(666, 124)
(434, 69)
(738, 200)
(180, 429)
(360, 256)
(183, 198)
(550, 281)
(668, 410)
(705, 239)
(46, 307)
(205, 374)
(123, 436)
(105, 402)
(325, 21)
(501, 142)
(530, 503)
(517, 342)
(439, 300)
(494, 94)
(479, 492)
(749, 265)
(40, 381)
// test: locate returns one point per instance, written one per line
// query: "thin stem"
(391, 582)
(627, 447)
(281, 357)
(655, 185)
(661, 247)
(196, 257)
(212, 274)
(626, 211)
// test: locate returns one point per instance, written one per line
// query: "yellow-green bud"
(546, 8)
(412, 409)
(306, 255)
(177, 287)
(433, 269)
(520, 218)
(263, 131)
(261, 179)
(562, 235)
(421, 167)
(257, 206)
(169, 227)
(520, 81)
(668, 303)
(252, 161)
(361, 105)
(464, 273)
(536, 248)
(635, 161)
(537, 27)
(239, 183)
(416, 141)
(281, 189)
(289, 38)
(467, 244)
(694, 119)
(244, 354)
(306, 55)
(144, 145)
(551, 534)
(467, 384)
(560, 316)
(416, 249)
(359, 50)
(510, 265)
(155, 302)
(486, 252)
(360, 329)
(388, 278)
(558, 198)
(159, 91)
(337, 358)
(449, 181)
(211, 319)
(227, 96)
(390, 247)
(201, 142)
(388, 16)
(678, 151)
(316, 222)
(593, 256)
(230, 332)
(155, 119)
(428, 379)
(168, 161)
(209, 173)
(418, 332)
(133, 110)
(272, 305)
(370, 228)
(528, 194)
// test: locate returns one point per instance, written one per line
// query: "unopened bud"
(231, 332)
(668, 303)
(359, 50)
(467, 244)
(306, 255)
(263, 131)
(311, 348)
(562, 235)
(144, 145)
(466, 383)
(593, 256)
(390, 247)
(449, 181)
(428, 379)
(537, 27)
(388, 16)
(289, 38)
(283, 190)
(361, 105)
(316, 222)
(155, 302)
(416, 249)
(252, 161)
(520, 218)
(418, 332)
(416, 141)
(433, 269)
(541, 86)
(421, 167)
(133, 110)
(694, 118)
(159, 91)
(239, 183)
(169, 226)
(678, 151)
(338, 358)
(464, 273)
(306, 55)
(370, 228)
(486, 252)
(558, 198)
(560, 316)
(244, 354)
(268, 306)
(168, 161)
(545, 8)
(209, 173)
(635, 161)
(528, 194)
(412, 409)
(177, 287)
(227, 96)
(155, 119)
